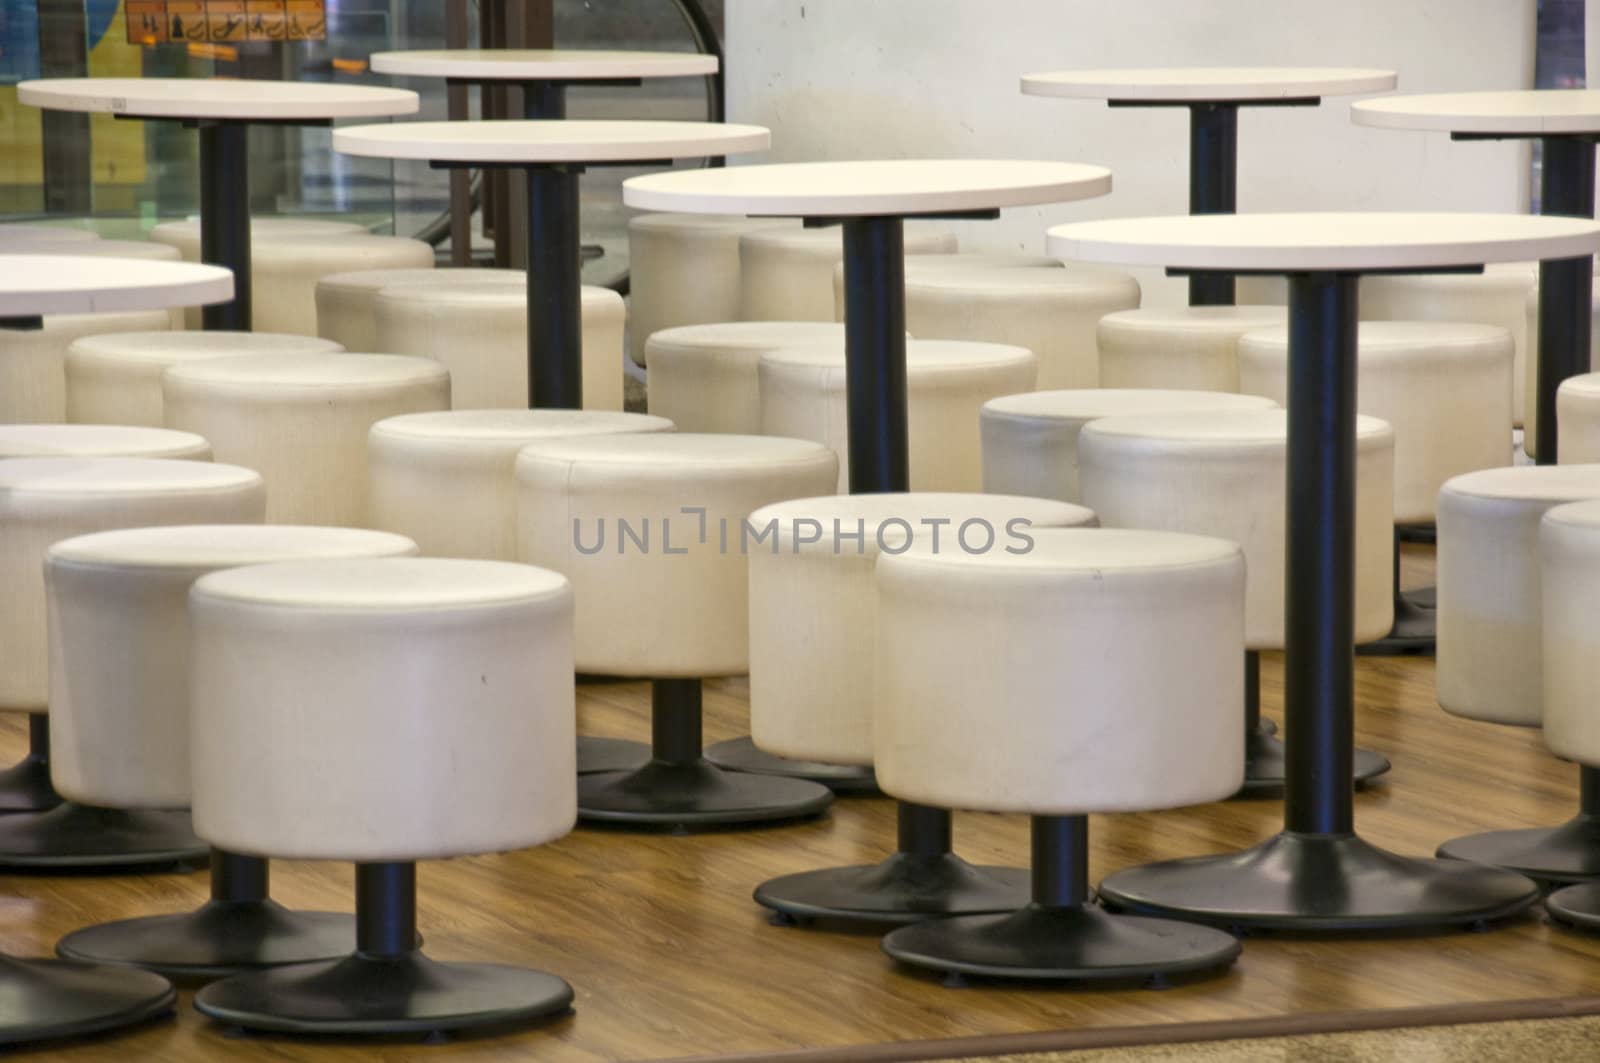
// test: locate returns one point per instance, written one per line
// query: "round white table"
(58, 282)
(553, 153)
(1318, 874)
(544, 74)
(871, 200)
(223, 111)
(1213, 96)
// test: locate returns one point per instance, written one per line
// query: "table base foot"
(906, 888)
(79, 836)
(1568, 853)
(699, 795)
(1265, 767)
(596, 755)
(741, 754)
(49, 999)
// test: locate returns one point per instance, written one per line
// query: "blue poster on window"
(19, 41)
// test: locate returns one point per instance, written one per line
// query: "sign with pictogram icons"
(225, 21)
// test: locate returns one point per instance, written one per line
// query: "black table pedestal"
(1062, 935)
(225, 218)
(26, 786)
(81, 837)
(49, 999)
(596, 755)
(1566, 285)
(741, 754)
(1565, 854)
(1265, 757)
(1317, 874)
(239, 929)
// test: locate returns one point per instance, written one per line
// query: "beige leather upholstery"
(119, 647)
(394, 709)
(480, 333)
(116, 378)
(347, 303)
(33, 387)
(1530, 384)
(705, 378)
(99, 441)
(786, 274)
(185, 235)
(803, 395)
(448, 479)
(650, 529)
(1098, 672)
(1569, 553)
(45, 500)
(684, 270)
(1225, 473)
(813, 603)
(1179, 346)
(1578, 419)
(1490, 603)
(1049, 310)
(302, 420)
(1030, 441)
(959, 260)
(1444, 387)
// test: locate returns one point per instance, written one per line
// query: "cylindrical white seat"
(786, 274)
(347, 303)
(286, 271)
(45, 500)
(1051, 311)
(116, 378)
(480, 333)
(684, 270)
(448, 479)
(185, 235)
(33, 387)
(947, 383)
(1178, 346)
(1569, 564)
(706, 378)
(1497, 296)
(382, 710)
(1578, 419)
(119, 647)
(1030, 441)
(1444, 388)
(1225, 473)
(302, 420)
(957, 260)
(651, 531)
(100, 441)
(1490, 600)
(1529, 411)
(813, 603)
(1074, 695)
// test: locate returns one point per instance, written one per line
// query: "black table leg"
(555, 301)
(225, 217)
(25, 786)
(1566, 187)
(1317, 874)
(1265, 758)
(1213, 185)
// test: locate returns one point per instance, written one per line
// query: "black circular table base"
(25, 787)
(1320, 882)
(906, 888)
(1415, 632)
(361, 994)
(1577, 906)
(1062, 944)
(1568, 853)
(667, 795)
(74, 836)
(218, 939)
(596, 755)
(48, 999)
(1265, 767)
(741, 754)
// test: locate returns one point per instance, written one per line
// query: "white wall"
(843, 79)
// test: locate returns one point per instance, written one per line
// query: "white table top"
(1324, 241)
(34, 285)
(840, 189)
(1527, 111)
(524, 141)
(216, 98)
(1202, 83)
(542, 64)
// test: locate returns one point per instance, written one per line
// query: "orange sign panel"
(267, 20)
(225, 21)
(147, 21)
(307, 20)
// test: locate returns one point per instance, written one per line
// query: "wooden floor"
(670, 957)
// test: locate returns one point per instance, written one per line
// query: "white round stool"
(45, 500)
(116, 378)
(302, 420)
(947, 383)
(812, 609)
(430, 713)
(1569, 551)
(684, 270)
(1179, 346)
(1082, 709)
(119, 719)
(33, 387)
(286, 271)
(651, 529)
(480, 333)
(958, 260)
(185, 235)
(786, 274)
(1445, 389)
(1587, 449)
(1030, 441)
(1578, 414)
(1225, 473)
(1049, 310)
(1492, 645)
(347, 303)
(706, 378)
